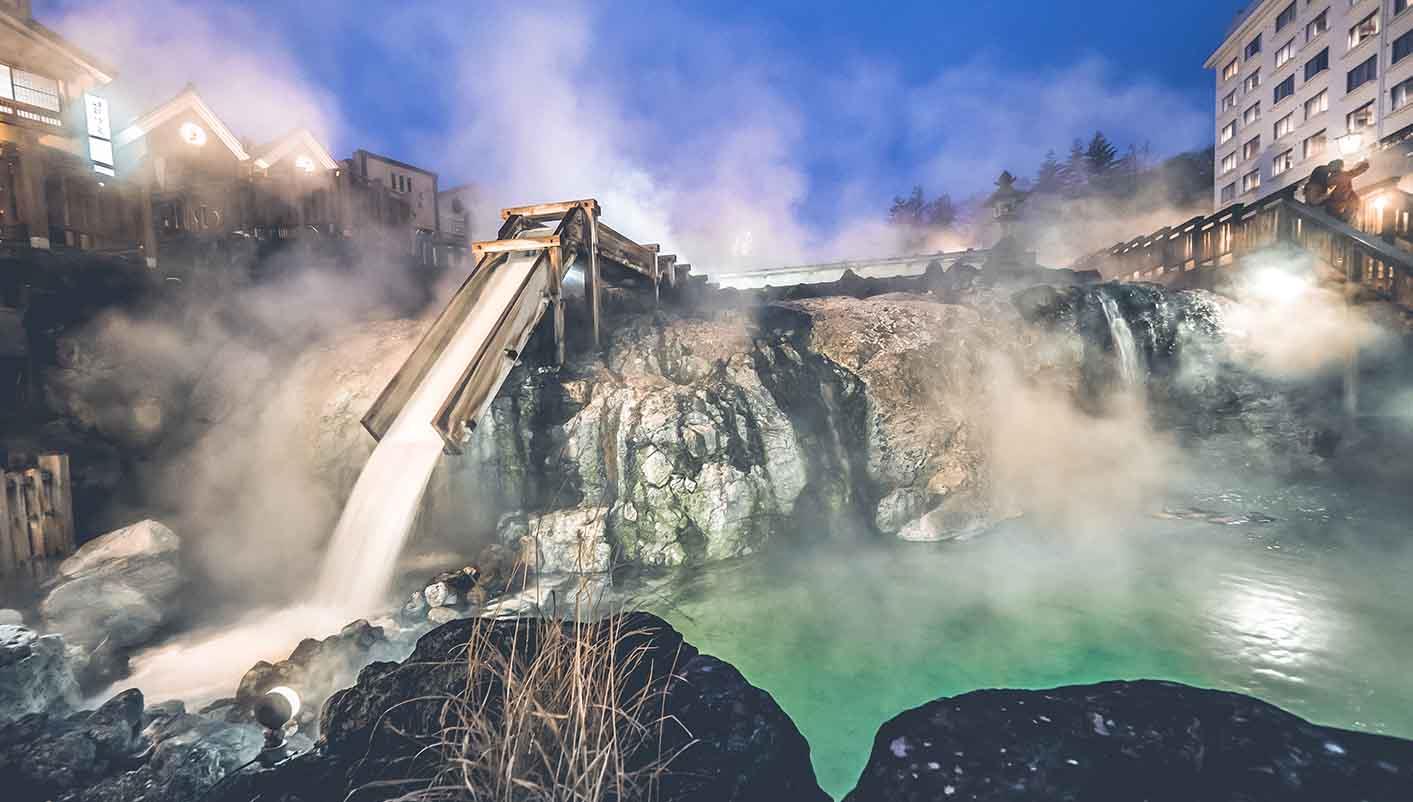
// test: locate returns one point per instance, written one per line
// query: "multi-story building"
(415, 186)
(1302, 82)
(456, 207)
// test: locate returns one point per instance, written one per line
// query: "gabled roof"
(300, 141)
(187, 101)
(37, 32)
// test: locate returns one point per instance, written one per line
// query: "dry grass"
(559, 710)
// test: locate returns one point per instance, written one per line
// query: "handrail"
(1379, 247)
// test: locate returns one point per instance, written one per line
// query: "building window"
(1399, 6)
(1228, 162)
(1228, 131)
(1317, 104)
(1402, 46)
(1252, 148)
(1285, 53)
(1362, 74)
(1252, 82)
(1229, 71)
(1253, 48)
(1229, 102)
(1318, 25)
(1285, 125)
(1314, 146)
(1252, 114)
(1364, 30)
(1285, 88)
(1361, 118)
(1284, 161)
(1286, 17)
(1318, 64)
(1251, 181)
(29, 88)
(1402, 94)
(1229, 192)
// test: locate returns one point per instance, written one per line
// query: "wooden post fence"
(36, 515)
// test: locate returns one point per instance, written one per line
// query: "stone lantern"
(1005, 204)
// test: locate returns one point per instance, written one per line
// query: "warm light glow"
(304, 164)
(1349, 144)
(291, 697)
(1380, 203)
(193, 134)
(1276, 285)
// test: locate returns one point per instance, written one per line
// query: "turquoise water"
(1311, 613)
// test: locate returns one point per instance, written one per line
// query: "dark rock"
(1143, 740)
(379, 737)
(35, 676)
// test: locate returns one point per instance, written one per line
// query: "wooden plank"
(57, 466)
(656, 272)
(478, 249)
(9, 558)
(620, 250)
(542, 210)
(34, 510)
(668, 265)
(592, 281)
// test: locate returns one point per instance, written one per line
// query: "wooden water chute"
(561, 236)
(36, 514)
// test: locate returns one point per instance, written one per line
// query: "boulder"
(35, 676)
(1148, 740)
(440, 594)
(11, 618)
(117, 590)
(570, 542)
(732, 742)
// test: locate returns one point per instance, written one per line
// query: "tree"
(1051, 178)
(1077, 167)
(1100, 155)
(915, 210)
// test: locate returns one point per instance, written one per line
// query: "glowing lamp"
(304, 164)
(193, 134)
(275, 711)
(1380, 202)
(1350, 144)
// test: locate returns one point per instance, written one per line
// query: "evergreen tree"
(907, 211)
(1101, 154)
(1077, 167)
(1051, 178)
(915, 210)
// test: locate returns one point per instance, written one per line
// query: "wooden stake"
(9, 558)
(33, 484)
(61, 500)
(591, 283)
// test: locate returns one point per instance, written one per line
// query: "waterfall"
(1130, 366)
(378, 517)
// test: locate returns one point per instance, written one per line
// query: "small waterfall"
(379, 514)
(1130, 365)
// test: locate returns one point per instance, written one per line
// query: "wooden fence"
(36, 515)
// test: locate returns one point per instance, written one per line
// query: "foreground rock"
(1125, 740)
(113, 595)
(382, 738)
(34, 675)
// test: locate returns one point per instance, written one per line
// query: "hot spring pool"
(1312, 613)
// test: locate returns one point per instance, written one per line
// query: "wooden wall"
(36, 514)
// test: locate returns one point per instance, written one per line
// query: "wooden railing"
(36, 515)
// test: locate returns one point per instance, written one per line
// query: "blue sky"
(700, 117)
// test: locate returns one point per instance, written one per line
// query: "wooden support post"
(19, 519)
(657, 273)
(555, 266)
(591, 275)
(61, 500)
(33, 484)
(9, 556)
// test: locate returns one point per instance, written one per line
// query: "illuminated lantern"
(193, 134)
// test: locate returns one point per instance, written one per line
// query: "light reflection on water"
(1310, 613)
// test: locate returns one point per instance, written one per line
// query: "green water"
(1311, 613)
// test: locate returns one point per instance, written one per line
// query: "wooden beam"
(61, 500)
(9, 558)
(556, 291)
(592, 281)
(542, 210)
(480, 249)
(657, 273)
(33, 485)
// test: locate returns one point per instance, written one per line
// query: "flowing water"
(1130, 366)
(1309, 613)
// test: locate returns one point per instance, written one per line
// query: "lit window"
(1228, 131)
(1252, 114)
(1400, 6)
(1362, 74)
(304, 164)
(1286, 17)
(1286, 53)
(1361, 118)
(1229, 71)
(1228, 193)
(1317, 25)
(1253, 47)
(1285, 125)
(1314, 146)
(1252, 148)
(1318, 64)
(1402, 94)
(1283, 162)
(1402, 46)
(1285, 88)
(1251, 181)
(1364, 30)
(35, 90)
(1252, 81)
(7, 90)
(1317, 104)
(193, 134)
(1228, 162)
(1229, 102)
